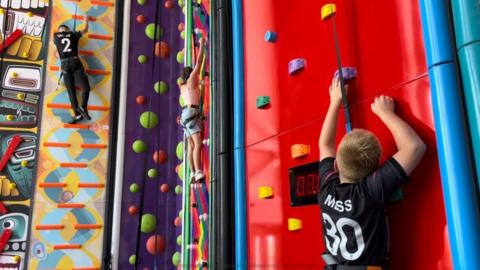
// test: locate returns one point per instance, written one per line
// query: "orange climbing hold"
(162, 49)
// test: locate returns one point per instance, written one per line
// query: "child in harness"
(191, 119)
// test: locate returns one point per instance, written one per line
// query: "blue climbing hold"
(270, 36)
(296, 65)
(347, 72)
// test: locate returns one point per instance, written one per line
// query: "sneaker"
(76, 118)
(199, 177)
(84, 112)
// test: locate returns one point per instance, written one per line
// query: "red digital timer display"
(304, 184)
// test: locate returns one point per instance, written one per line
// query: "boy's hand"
(383, 105)
(336, 91)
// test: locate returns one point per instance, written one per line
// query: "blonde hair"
(358, 154)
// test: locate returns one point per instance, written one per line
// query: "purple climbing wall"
(157, 130)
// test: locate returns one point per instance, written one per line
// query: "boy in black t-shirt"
(354, 187)
(73, 72)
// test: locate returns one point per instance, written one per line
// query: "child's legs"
(82, 81)
(191, 163)
(197, 150)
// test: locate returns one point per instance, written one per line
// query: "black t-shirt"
(67, 43)
(353, 216)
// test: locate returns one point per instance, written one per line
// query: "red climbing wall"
(383, 40)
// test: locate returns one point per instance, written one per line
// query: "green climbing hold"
(181, 101)
(133, 259)
(179, 150)
(181, 3)
(182, 34)
(150, 31)
(161, 87)
(180, 172)
(142, 2)
(184, 10)
(148, 119)
(180, 213)
(134, 188)
(179, 80)
(148, 223)
(142, 59)
(139, 146)
(180, 57)
(178, 190)
(179, 240)
(152, 173)
(176, 258)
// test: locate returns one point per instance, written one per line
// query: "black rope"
(348, 122)
(142, 191)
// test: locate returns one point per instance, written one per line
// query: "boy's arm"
(410, 146)
(85, 29)
(326, 141)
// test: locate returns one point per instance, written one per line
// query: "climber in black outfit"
(73, 71)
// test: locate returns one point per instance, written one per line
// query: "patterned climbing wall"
(22, 29)
(150, 181)
(69, 200)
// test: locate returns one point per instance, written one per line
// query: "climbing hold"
(25, 55)
(132, 259)
(21, 96)
(148, 223)
(134, 188)
(12, 185)
(14, 74)
(139, 146)
(179, 150)
(180, 213)
(177, 222)
(184, 10)
(141, 19)
(270, 36)
(296, 65)
(180, 57)
(181, 101)
(328, 10)
(179, 240)
(148, 119)
(2, 11)
(132, 210)
(294, 224)
(206, 142)
(178, 190)
(348, 73)
(160, 87)
(182, 34)
(181, 3)
(160, 156)
(155, 244)
(142, 2)
(164, 188)
(179, 80)
(142, 59)
(30, 14)
(300, 150)
(140, 100)
(262, 101)
(162, 49)
(152, 173)
(24, 163)
(176, 258)
(265, 192)
(16, 259)
(169, 4)
(150, 31)
(181, 27)
(180, 172)
(10, 117)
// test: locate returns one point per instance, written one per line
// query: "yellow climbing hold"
(265, 192)
(29, 14)
(10, 117)
(14, 75)
(24, 163)
(16, 259)
(294, 224)
(25, 54)
(328, 10)
(21, 96)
